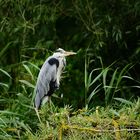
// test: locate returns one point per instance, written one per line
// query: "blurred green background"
(105, 35)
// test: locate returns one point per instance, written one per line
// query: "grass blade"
(108, 91)
(96, 78)
(27, 83)
(6, 73)
(96, 90)
(124, 101)
(28, 70)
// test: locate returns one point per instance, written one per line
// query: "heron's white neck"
(58, 55)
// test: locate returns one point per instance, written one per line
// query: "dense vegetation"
(105, 73)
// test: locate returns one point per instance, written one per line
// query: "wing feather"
(47, 74)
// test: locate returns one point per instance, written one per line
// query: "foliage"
(105, 71)
(97, 123)
(31, 30)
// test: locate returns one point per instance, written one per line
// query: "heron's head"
(62, 53)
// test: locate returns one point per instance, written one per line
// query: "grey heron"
(49, 76)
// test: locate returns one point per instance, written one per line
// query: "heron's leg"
(45, 100)
(50, 103)
(37, 113)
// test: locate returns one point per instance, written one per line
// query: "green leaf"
(90, 76)
(114, 113)
(9, 112)
(35, 66)
(122, 73)
(96, 78)
(96, 90)
(105, 77)
(5, 85)
(27, 83)
(5, 48)
(108, 91)
(6, 73)
(124, 101)
(28, 70)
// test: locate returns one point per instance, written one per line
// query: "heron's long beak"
(69, 53)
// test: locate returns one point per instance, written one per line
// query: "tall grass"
(107, 81)
(18, 120)
(104, 123)
(17, 111)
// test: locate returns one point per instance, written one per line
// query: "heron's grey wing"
(46, 75)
